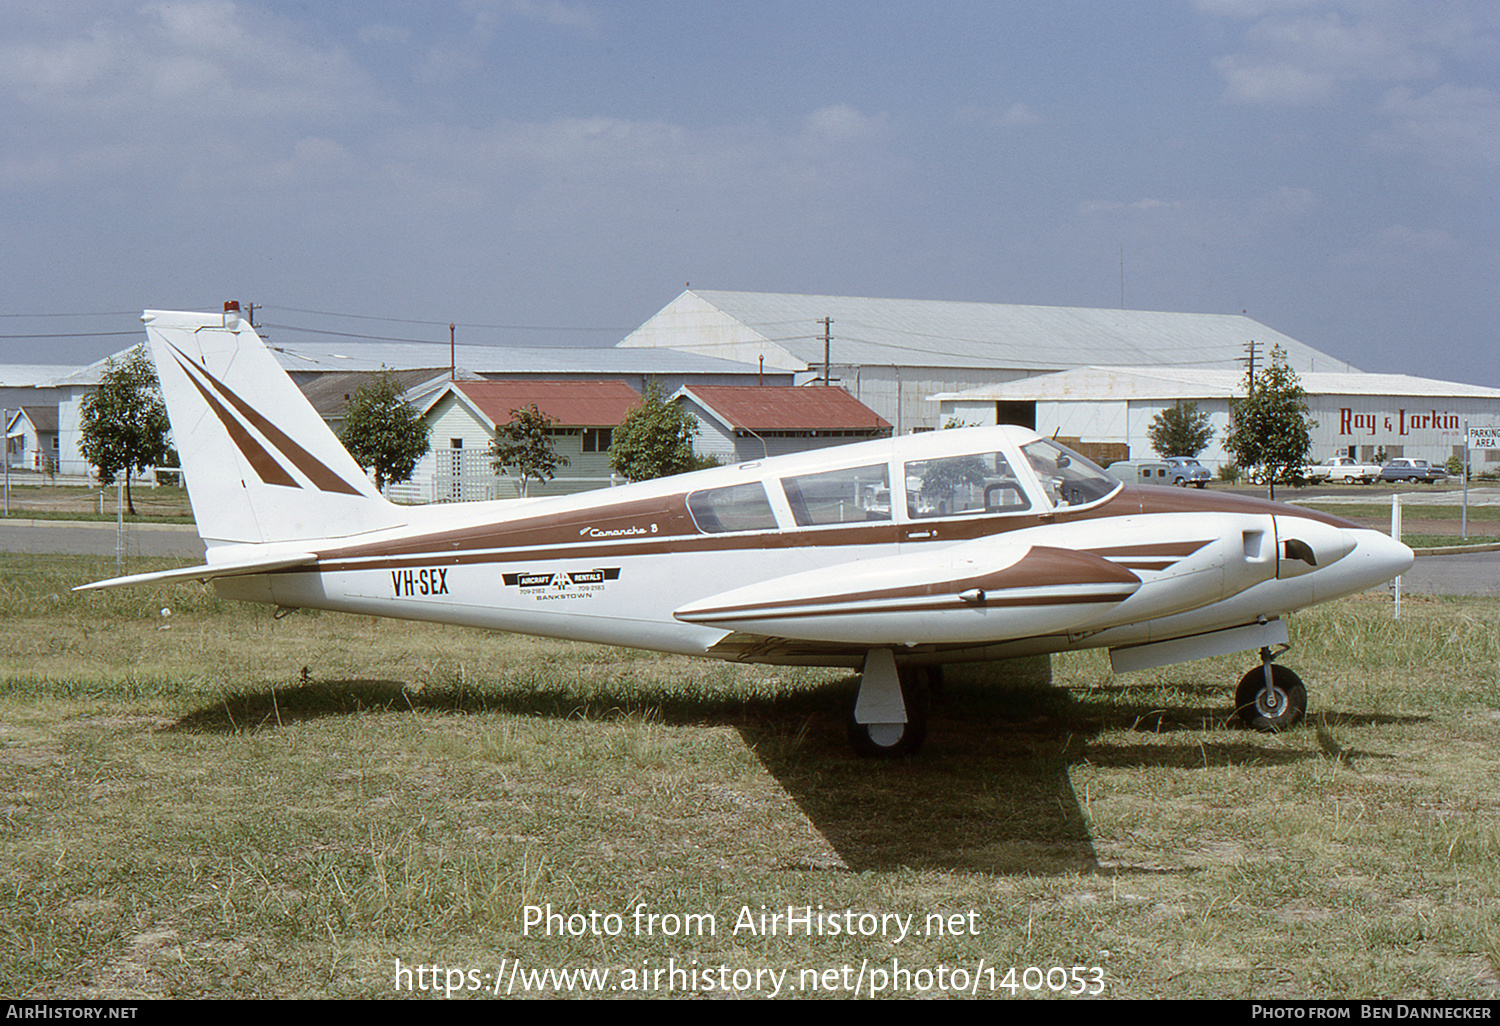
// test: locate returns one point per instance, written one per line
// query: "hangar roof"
(492, 361)
(937, 333)
(1198, 383)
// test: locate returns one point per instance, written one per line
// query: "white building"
(1106, 409)
(892, 354)
(463, 418)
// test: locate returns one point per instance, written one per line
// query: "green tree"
(1269, 427)
(124, 422)
(654, 440)
(382, 431)
(1180, 430)
(526, 445)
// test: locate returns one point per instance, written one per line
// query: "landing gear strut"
(890, 715)
(1270, 698)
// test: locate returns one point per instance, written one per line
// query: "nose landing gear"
(1270, 698)
(890, 714)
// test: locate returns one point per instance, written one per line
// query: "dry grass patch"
(215, 803)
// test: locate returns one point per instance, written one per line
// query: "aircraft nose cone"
(1378, 557)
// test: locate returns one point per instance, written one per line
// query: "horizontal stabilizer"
(206, 572)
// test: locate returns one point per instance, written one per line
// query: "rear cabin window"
(973, 483)
(734, 508)
(852, 495)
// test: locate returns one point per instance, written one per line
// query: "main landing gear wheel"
(1270, 711)
(895, 740)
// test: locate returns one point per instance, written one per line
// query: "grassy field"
(216, 803)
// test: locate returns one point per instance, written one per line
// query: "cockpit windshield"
(1068, 478)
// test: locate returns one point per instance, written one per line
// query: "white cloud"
(1261, 82)
(206, 60)
(490, 13)
(1298, 55)
(1450, 125)
(382, 34)
(841, 123)
(1143, 206)
(1400, 245)
(1017, 115)
(1288, 201)
(200, 92)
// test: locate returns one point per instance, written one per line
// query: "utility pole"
(452, 359)
(250, 319)
(827, 323)
(1250, 378)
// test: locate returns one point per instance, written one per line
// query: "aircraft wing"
(976, 593)
(207, 571)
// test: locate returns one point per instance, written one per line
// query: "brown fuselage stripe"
(792, 611)
(624, 531)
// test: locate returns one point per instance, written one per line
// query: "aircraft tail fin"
(261, 465)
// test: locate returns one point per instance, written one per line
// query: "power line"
(74, 334)
(375, 338)
(444, 324)
(105, 313)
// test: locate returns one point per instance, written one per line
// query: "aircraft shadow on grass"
(991, 792)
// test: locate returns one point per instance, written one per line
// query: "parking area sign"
(1484, 438)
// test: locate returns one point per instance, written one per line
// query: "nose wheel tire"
(1280, 708)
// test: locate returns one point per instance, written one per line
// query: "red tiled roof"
(569, 403)
(788, 408)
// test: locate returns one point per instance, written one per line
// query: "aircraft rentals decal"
(268, 468)
(546, 585)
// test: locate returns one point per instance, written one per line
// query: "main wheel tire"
(896, 740)
(1281, 710)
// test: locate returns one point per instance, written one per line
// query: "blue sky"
(550, 171)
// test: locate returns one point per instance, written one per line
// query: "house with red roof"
(738, 423)
(463, 417)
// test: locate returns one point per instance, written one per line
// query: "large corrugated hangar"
(892, 354)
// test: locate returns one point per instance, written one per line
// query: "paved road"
(1411, 495)
(98, 539)
(1473, 573)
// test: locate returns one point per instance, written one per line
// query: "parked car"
(1141, 471)
(1184, 470)
(1413, 470)
(1342, 468)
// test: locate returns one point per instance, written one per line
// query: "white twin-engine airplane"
(892, 556)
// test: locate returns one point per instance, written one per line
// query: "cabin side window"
(1068, 478)
(851, 495)
(742, 507)
(972, 483)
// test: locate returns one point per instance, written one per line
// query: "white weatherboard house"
(463, 417)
